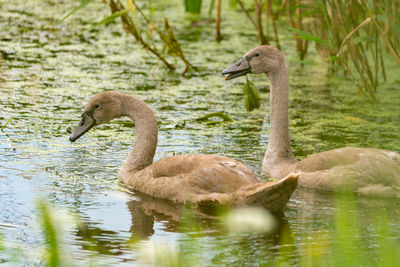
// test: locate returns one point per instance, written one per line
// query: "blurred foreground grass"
(342, 245)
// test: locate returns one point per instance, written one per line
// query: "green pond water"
(48, 71)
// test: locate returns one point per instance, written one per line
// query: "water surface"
(48, 71)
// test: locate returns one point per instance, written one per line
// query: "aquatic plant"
(218, 36)
(1, 242)
(257, 21)
(342, 244)
(251, 95)
(54, 224)
(352, 35)
(129, 22)
(348, 240)
(50, 234)
(193, 6)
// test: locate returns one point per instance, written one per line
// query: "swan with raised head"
(207, 180)
(366, 171)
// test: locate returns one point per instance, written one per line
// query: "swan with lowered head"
(366, 171)
(207, 180)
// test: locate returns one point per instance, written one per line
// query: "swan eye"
(96, 105)
(257, 54)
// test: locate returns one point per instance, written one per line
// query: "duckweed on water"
(50, 70)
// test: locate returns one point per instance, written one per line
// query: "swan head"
(262, 59)
(101, 108)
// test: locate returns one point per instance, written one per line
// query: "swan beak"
(86, 123)
(238, 69)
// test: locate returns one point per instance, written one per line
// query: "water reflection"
(149, 215)
(147, 210)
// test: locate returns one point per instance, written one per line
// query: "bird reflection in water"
(147, 211)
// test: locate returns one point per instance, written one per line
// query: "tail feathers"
(271, 195)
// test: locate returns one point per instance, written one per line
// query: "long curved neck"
(145, 145)
(279, 154)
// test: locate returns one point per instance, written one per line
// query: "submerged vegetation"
(49, 68)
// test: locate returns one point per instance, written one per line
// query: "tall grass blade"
(50, 234)
(5, 124)
(193, 6)
(111, 18)
(310, 37)
(362, 24)
(1, 242)
(212, 6)
(83, 4)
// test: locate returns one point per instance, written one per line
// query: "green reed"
(49, 229)
(193, 6)
(354, 36)
(346, 242)
(1, 242)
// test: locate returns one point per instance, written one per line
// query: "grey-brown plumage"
(207, 180)
(367, 171)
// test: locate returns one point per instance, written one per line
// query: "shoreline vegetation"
(352, 36)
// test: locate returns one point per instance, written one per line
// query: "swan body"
(367, 171)
(207, 180)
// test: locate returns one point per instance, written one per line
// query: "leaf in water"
(351, 118)
(221, 115)
(251, 95)
(83, 4)
(7, 122)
